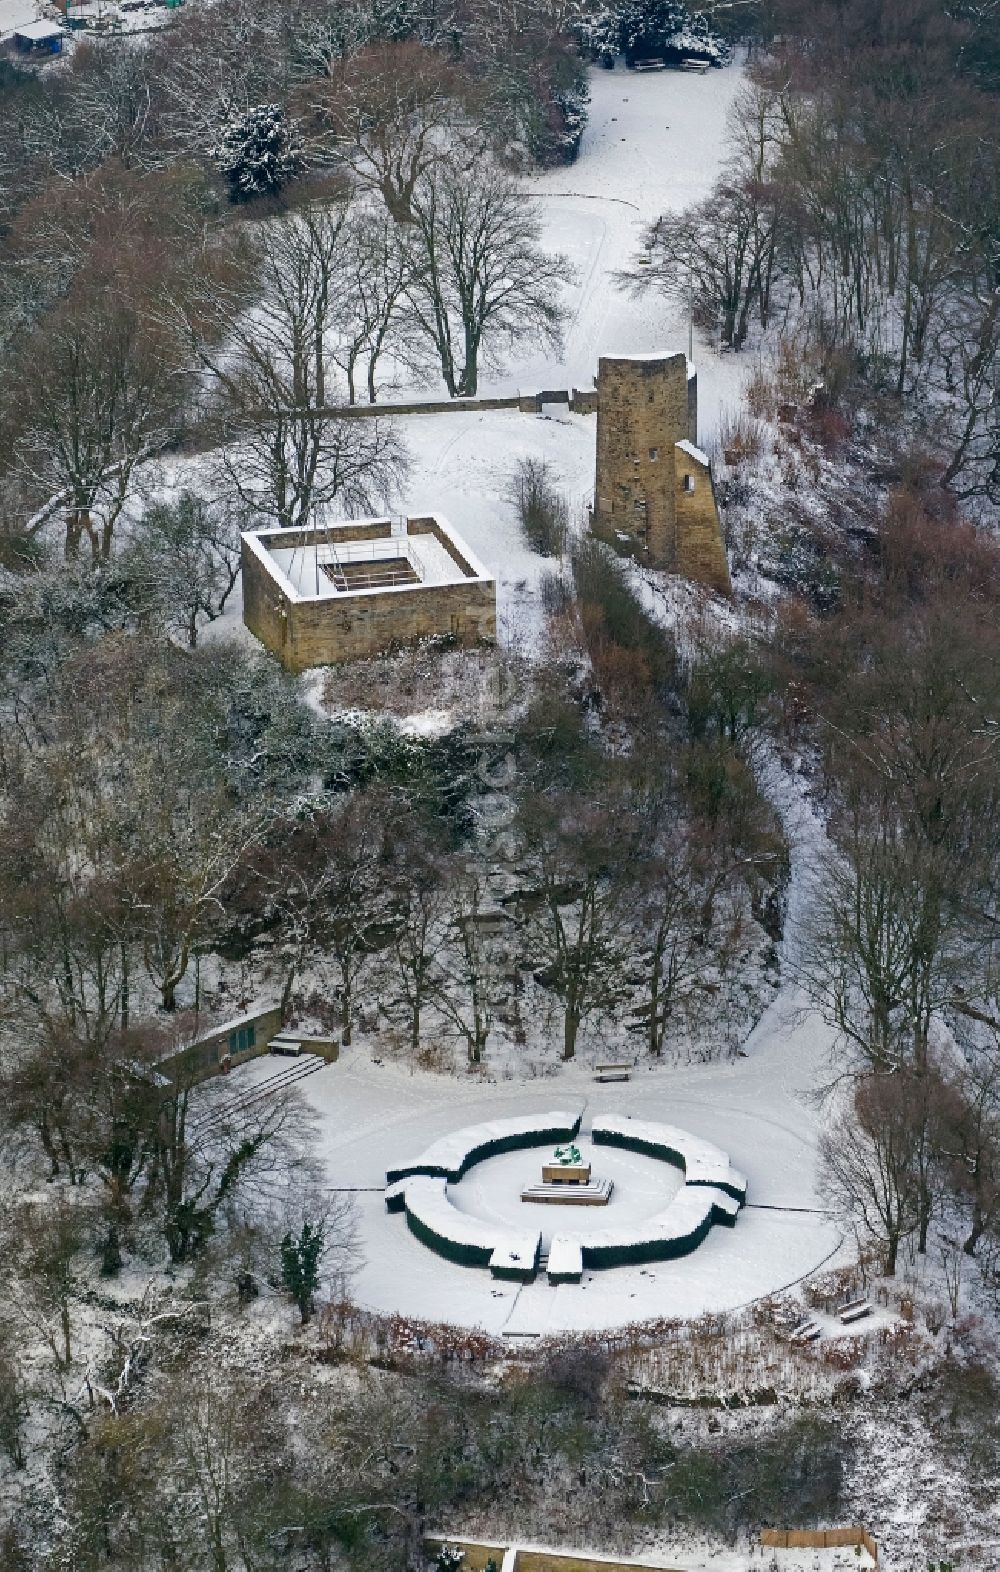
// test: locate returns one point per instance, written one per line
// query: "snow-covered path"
(653, 144)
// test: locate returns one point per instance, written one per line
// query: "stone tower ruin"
(654, 484)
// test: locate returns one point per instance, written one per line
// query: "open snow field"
(654, 143)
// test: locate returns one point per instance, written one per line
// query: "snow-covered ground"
(653, 144)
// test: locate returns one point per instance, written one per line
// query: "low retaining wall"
(526, 1558)
(580, 401)
(818, 1539)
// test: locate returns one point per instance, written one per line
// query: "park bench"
(613, 1072)
(292, 1046)
(855, 1311)
(691, 64)
(806, 1332)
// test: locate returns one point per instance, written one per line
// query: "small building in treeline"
(39, 38)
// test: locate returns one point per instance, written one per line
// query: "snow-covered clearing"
(653, 144)
(375, 1116)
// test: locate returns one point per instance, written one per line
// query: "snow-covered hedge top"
(453, 1154)
(427, 1202)
(703, 1163)
(689, 1211)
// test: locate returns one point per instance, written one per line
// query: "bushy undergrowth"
(626, 646)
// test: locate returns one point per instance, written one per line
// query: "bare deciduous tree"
(481, 280)
(580, 850)
(870, 1157)
(291, 455)
(390, 114)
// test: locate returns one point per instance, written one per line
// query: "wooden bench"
(292, 1046)
(690, 64)
(613, 1072)
(855, 1311)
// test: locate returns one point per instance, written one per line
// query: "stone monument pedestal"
(566, 1173)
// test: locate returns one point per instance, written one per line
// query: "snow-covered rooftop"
(16, 15)
(38, 32)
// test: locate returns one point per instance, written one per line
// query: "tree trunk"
(892, 1250)
(571, 1025)
(346, 1014)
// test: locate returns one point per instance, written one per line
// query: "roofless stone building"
(356, 588)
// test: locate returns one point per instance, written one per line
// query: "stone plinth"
(565, 1173)
(597, 1192)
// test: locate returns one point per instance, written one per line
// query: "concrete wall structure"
(231, 1042)
(653, 484)
(305, 629)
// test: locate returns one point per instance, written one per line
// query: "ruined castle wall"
(265, 607)
(701, 555)
(310, 631)
(336, 628)
(646, 406)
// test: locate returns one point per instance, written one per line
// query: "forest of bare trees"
(857, 214)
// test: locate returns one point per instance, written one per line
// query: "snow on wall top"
(693, 452)
(652, 355)
(703, 1163)
(438, 556)
(687, 1213)
(450, 1156)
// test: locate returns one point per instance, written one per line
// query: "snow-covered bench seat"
(517, 1263)
(675, 1231)
(451, 1156)
(466, 1240)
(565, 1263)
(699, 1161)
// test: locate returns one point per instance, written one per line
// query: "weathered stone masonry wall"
(337, 628)
(320, 632)
(646, 406)
(701, 555)
(642, 410)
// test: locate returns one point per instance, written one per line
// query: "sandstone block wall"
(700, 553)
(646, 405)
(322, 631)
